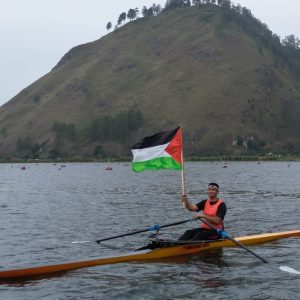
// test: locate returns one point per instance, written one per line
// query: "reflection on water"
(45, 207)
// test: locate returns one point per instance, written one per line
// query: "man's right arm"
(190, 206)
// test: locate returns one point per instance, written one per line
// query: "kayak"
(167, 249)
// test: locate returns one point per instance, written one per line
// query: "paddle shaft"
(236, 242)
(140, 231)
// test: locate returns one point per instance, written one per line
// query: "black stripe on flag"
(157, 139)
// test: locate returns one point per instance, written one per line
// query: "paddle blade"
(289, 270)
(80, 242)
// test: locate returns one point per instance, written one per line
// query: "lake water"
(46, 206)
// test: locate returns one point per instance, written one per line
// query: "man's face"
(212, 192)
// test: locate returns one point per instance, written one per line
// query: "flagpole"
(182, 173)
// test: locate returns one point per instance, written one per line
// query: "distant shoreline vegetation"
(223, 159)
(68, 138)
(287, 48)
(111, 137)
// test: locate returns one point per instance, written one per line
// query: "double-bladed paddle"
(226, 235)
(155, 227)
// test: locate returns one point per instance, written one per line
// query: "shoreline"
(224, 158)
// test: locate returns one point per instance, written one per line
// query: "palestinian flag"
(162, 150)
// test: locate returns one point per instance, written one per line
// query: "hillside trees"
(122, 18)
(64, 131)
(225, 3)
(99, 152)
(108, 25)
(153, 10)
(107, 128)
(287, 49)
(147, 12)
(291, 41)
(156, 9)
(118, 127)
(132, 13)
(237, 8)
(171, 4)
(26, 148)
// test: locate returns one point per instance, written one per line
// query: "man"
(214, 211)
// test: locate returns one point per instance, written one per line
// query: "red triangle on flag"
(175, 147)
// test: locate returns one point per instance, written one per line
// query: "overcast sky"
(35, 34)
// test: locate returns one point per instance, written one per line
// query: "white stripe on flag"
(149, 153)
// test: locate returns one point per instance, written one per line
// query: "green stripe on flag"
(156, 164)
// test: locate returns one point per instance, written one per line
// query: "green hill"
(224, 78)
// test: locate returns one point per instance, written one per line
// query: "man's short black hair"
(214, 184)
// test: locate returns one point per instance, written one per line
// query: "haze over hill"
(215, 70)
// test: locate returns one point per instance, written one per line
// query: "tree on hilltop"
(147, 12)
(109, 26)
(122, 18)
(156, 9)
(237, 8)
(171, 4)
(291, 41)
(247, 12)
(132, 14)
(226, 4)
(196, 2)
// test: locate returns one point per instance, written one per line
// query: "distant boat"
(23, 168)
(224, 164)
(108, 168)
